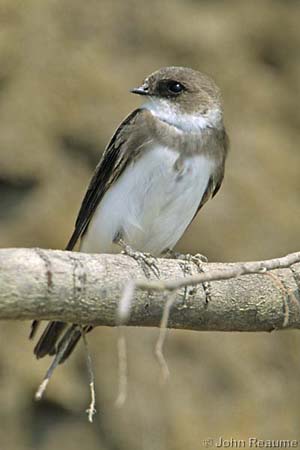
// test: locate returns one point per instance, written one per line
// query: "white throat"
(196, 122)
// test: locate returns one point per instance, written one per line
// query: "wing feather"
(113, 162)
(215, 181)
(123, 146)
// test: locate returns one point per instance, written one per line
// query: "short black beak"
(142, 90)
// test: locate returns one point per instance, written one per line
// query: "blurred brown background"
(65, 70)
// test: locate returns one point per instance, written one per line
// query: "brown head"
(181, 91)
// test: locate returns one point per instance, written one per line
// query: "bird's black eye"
(169, 88)
(174, 87)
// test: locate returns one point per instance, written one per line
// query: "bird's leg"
(146, 260)
(199, 260)
(184, 256)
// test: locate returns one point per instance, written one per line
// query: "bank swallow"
(164, 161)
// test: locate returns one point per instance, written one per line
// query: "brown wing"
(123, 146)
(215, 181)
(110, 167)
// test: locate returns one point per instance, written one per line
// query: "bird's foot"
(200, 261)
(145, 260)
(197, 259)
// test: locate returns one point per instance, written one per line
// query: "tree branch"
(82, 288)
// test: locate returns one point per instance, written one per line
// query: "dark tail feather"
(34, 327)
(47, 342)
(51, 342)
(70, 338)
(73, 340)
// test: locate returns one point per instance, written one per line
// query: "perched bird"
(164, 161)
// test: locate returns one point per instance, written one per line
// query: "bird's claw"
(146, 260)
(199, 260)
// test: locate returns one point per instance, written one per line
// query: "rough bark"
(82, 288)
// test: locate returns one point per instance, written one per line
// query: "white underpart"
(168, 112)
(151, 204)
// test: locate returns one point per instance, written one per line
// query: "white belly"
(151, 204)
